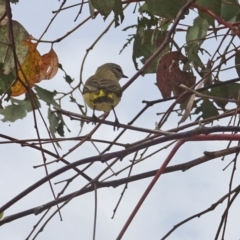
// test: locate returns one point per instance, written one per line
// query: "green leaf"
(68, 78)
(129, 40)
(13, 112)
(19, 108)
(198, 31)
(234, 90)
(105, 7)
(5, 80)
(166, 9)
(128, 27)
(192, 50)
(46, 95)
(31, 103)
(6, 53)
(143, 8)
(195, 37)
(60, 129)
(207, 77)
(237, 17)
(118, 12)
(207, 109)
(237, 63)
(56, 123)
(221, 92)
(149, 21)
(53, 122)
(229, 10)
(14, 1)
(80, 106)
(83, 110)
(145, 44)
(213, 5)
(2, 8)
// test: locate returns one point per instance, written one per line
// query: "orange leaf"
(28, 71)
(35, 68)
(48, 65)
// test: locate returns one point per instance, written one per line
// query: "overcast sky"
(175, 197)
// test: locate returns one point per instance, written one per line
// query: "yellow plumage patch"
(102, 101)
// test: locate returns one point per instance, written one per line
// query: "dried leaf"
(48, 65)
(188, 109)
(35, 68)
(189, 105)
(170, 76)
(29, 70)
(186, 78)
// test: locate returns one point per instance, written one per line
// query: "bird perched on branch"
(102, 91)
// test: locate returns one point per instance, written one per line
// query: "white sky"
(175, 197)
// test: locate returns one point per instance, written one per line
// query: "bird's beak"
(124, 76)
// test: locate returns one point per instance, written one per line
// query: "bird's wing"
(94, 84)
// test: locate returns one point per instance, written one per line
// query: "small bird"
(102, 91)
